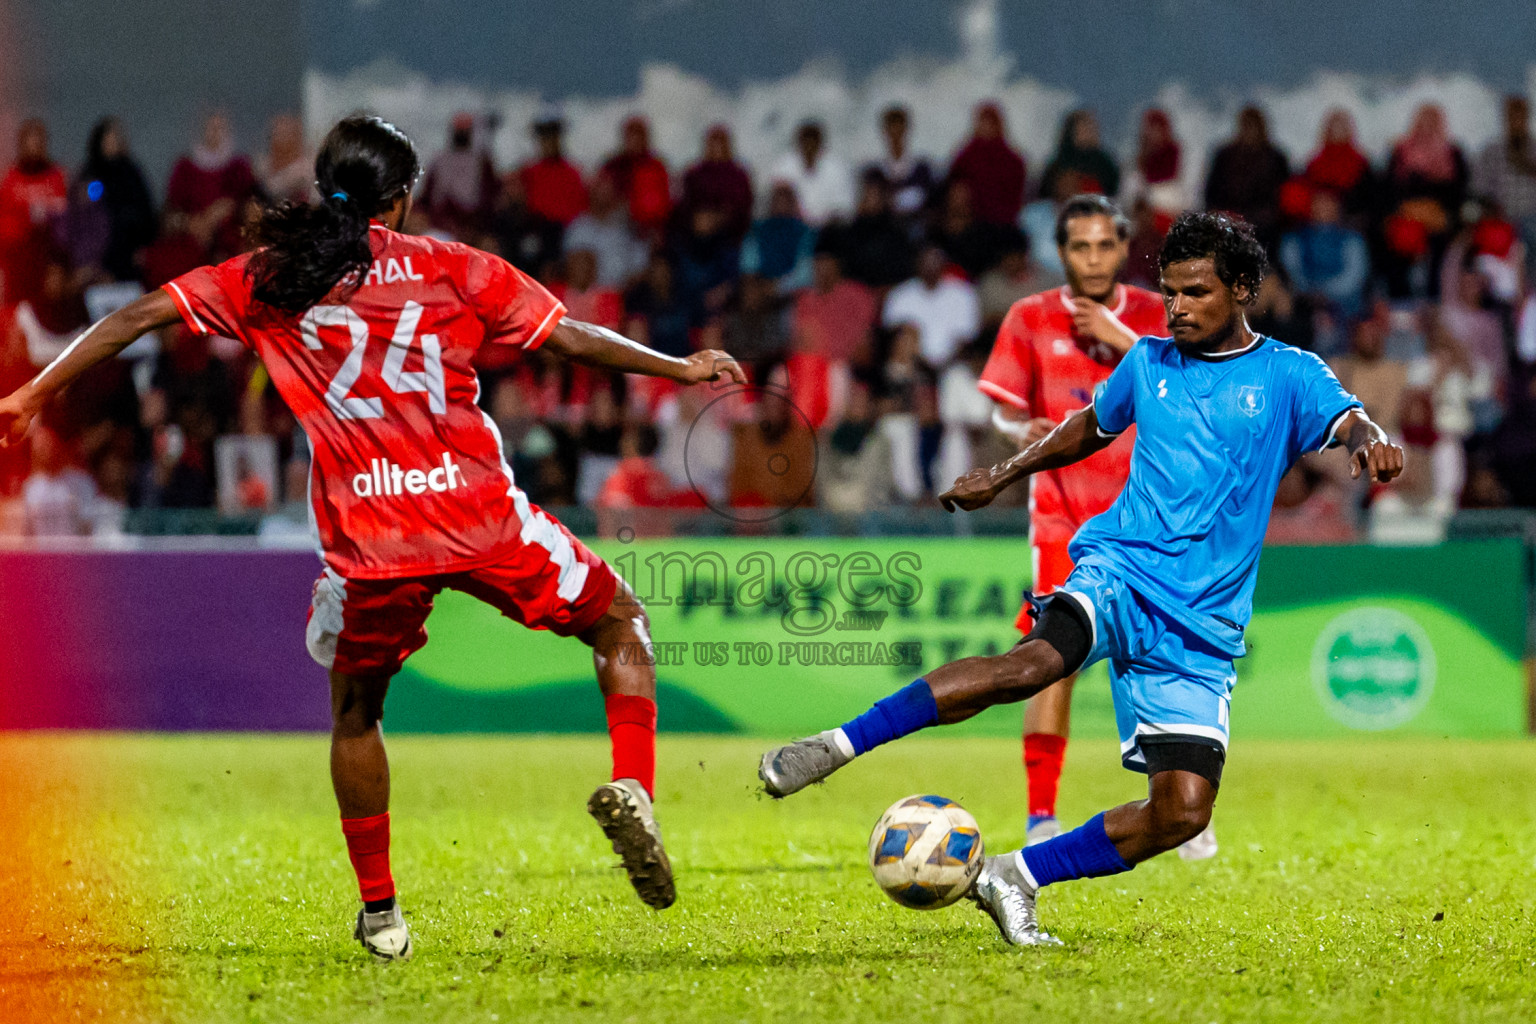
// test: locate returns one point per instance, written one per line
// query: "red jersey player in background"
(370, 335)
(1051, 351)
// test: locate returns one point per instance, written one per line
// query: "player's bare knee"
(353, 719)
(618, 629)
(639, 621)
(1178, 816)
(625, 622)
(357, 704)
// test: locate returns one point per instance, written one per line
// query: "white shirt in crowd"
(964, 411)
(946, 316)
(1525, 335)
(825, 191)
(62, 505)
(620, 255)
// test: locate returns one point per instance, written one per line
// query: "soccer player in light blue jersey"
(1163, 584)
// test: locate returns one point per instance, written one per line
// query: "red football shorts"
(1052, 566)
(550, 580)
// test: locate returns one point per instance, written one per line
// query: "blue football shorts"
(1169, 685)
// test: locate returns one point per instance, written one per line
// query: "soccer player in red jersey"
(369, 335)
(1051, 352)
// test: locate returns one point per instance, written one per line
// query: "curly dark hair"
(364, 166)
(1227, 241)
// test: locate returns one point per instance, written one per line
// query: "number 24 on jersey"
(338, 396)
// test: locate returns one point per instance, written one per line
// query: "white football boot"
(384, 934)
(1202, 847)
(1005, 895)
(623, 811)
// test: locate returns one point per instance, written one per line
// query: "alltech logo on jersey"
(386, 479)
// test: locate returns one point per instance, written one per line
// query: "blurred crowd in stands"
(865, 298)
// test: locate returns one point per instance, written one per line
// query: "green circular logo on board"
(1373, 668)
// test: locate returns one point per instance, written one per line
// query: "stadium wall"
(160, 63)
(762, 69)
(772, 636)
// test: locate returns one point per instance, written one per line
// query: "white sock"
(1018, 860)
(844, 744)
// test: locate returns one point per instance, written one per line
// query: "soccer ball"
(925, 852)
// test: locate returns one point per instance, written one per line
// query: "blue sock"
(1085, 852)
(907, 710)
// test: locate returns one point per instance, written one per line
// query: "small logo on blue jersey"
(1250, 399)
(1162, 388)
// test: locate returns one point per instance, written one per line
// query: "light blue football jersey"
(1214, 435)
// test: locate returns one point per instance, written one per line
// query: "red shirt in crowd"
(813, 381)
(595, 305)
(194, 188)
(15, 370)
(722, 185)
(1338, 166)
(835, 324)
(196, 185)
(637, 482)
(29, 200)
(408, 477)
(995, 172)
(554, 189)
(642, 179)
(1043, 367)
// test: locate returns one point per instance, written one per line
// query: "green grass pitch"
(1374, 880)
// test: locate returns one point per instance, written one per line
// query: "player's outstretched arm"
(1369, 450)
(1073, 439)
(103, 340)
(598, 346)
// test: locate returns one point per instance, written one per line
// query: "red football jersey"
(1040, 365)
(408, 476)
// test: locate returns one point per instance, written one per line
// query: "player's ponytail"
(364, 166)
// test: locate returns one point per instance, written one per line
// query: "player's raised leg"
(951, 693)
(621, 645)
(360, 776)
(553, 581)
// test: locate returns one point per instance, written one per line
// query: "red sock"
(368, 846)
(632, 728)
(1043, 754)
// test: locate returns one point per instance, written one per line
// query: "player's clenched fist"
(712, 364)
(974, 490)
(15, 420)
(1380, 461)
